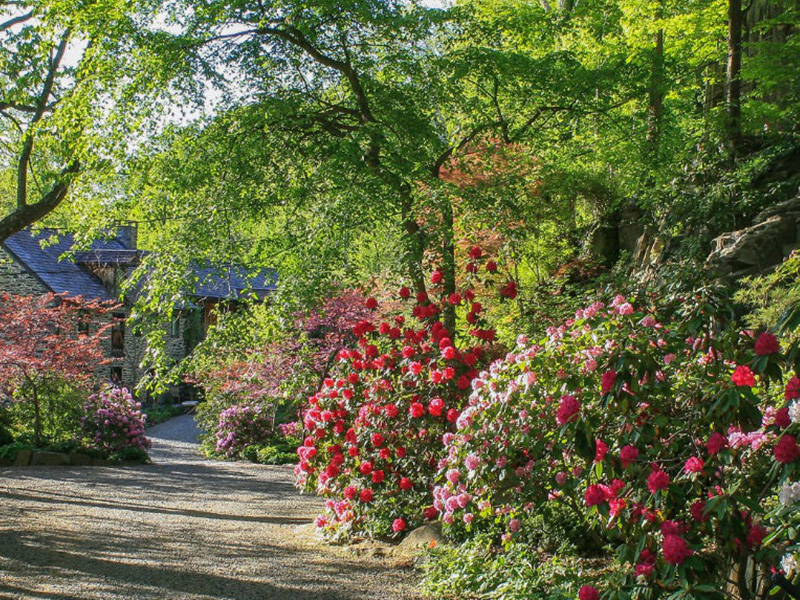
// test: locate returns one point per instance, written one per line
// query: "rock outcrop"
(775, 233)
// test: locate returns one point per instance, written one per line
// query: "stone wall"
(16, 279)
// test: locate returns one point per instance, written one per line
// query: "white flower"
(790, 494)
(794, 412)
(789, 563)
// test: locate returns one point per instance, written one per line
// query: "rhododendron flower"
(491, 266)
(350, 492)
(416, 410)
(365, 468)
(454, 298)
(743, 376)
(786, 450)
(406, 483)
(453, 475)
(472, 461)
(676, 549)
(588, 592)
(715, 443)
(601, 449)
(514, 525)
(435, 407)
(475, 252)
(657, 480)
(378, 476)
(697, 510)
(437, 277)
(398, 525)
(643, 570)
(365, 495)
(377, 440)
(694, 464)
(609, 378)
(594, 495)
(767, 344)
(625, 309)
(430, 513)
(371, 303)
(562, 477)
(756, 535)
(449, 353)
(628, 454)
(792, 389)
(405, 293)
(568, 410)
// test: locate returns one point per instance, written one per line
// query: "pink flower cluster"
(113, 421)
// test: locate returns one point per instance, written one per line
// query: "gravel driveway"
(183, 527)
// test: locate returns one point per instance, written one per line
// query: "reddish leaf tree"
(48, 338)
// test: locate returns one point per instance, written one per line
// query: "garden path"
(181, 528)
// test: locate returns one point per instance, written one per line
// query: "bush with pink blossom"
(666, 433)
(113, 423)
(373, 431)
(241, 426)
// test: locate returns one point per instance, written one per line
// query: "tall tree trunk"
(413, 240)
(37, 417)
(733, 84)
(448, 264)
(655, 92)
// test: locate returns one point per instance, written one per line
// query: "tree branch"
(41, 108)
(26, 215)
(16, 21)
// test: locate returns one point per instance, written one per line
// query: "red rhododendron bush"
(374, 429)
(670, 435)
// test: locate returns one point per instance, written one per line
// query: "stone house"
(35, 263)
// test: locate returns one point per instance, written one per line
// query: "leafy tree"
(49, 339)
(76, 79)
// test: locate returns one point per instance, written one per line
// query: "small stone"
(23, 458)
(50, 459)
(80, 460)
(422, 538)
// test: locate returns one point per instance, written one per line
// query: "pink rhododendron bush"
(672, 436)
(113, 423)
(373, 431)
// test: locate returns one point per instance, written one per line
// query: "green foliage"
(279, 453)
(160, 413)
(129, 454)
(61, 407)
(477, 570)
(10, 450)
(774, 299)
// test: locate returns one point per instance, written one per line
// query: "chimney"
(128, 235)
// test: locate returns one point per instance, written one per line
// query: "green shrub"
(10, 451)
(61, 410)
(477, 570)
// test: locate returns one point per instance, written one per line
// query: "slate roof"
(71, 277)
(234, 282)
(59, 276)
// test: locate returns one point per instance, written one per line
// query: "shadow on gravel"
(61, 499)
(54, 557)
(169, 478)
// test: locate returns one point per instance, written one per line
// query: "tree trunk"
(413, 241)
(37, 417)
(733, 84)
(448, 265)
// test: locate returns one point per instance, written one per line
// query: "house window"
(118, 335)
(175, 326)
(83, 322)
(116, 375)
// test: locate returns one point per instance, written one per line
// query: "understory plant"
(670, 435)
(373, 430)
(113, 424)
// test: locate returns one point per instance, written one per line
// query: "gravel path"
(181, 528)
